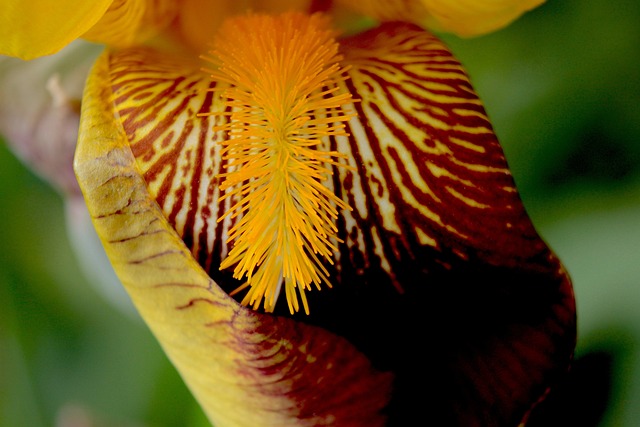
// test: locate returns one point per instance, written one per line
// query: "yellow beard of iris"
(283, 73)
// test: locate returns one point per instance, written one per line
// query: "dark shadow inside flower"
(470, 345)
(582, 397)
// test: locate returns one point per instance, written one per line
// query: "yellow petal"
(405, 10)
(132, 21)
(465, 17)
(30, 29)
(245, 368)
(476, 17)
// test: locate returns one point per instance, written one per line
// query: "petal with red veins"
(440, 279)
(245, 368)
(447, 282)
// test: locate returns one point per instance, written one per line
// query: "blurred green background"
(562, 87)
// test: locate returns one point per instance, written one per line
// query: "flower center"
(283, 73)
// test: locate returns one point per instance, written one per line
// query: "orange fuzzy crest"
(283, 73)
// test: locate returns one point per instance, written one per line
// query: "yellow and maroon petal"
(442, 277)
(142, 153)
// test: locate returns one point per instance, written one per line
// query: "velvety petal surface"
(245, 368)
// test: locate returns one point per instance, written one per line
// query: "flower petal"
(464, 18)
(441, 278)
(245, 368)
(441, 254)
(30, 29)
(473, 17)
(127, 22)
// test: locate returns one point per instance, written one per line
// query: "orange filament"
(283, 73)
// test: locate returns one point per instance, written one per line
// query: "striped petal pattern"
(482, 314)
(245, 368)
(440, 278)
(431, 173)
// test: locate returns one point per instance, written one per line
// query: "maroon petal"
(443, 279)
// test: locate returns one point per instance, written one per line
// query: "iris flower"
(320, 228)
